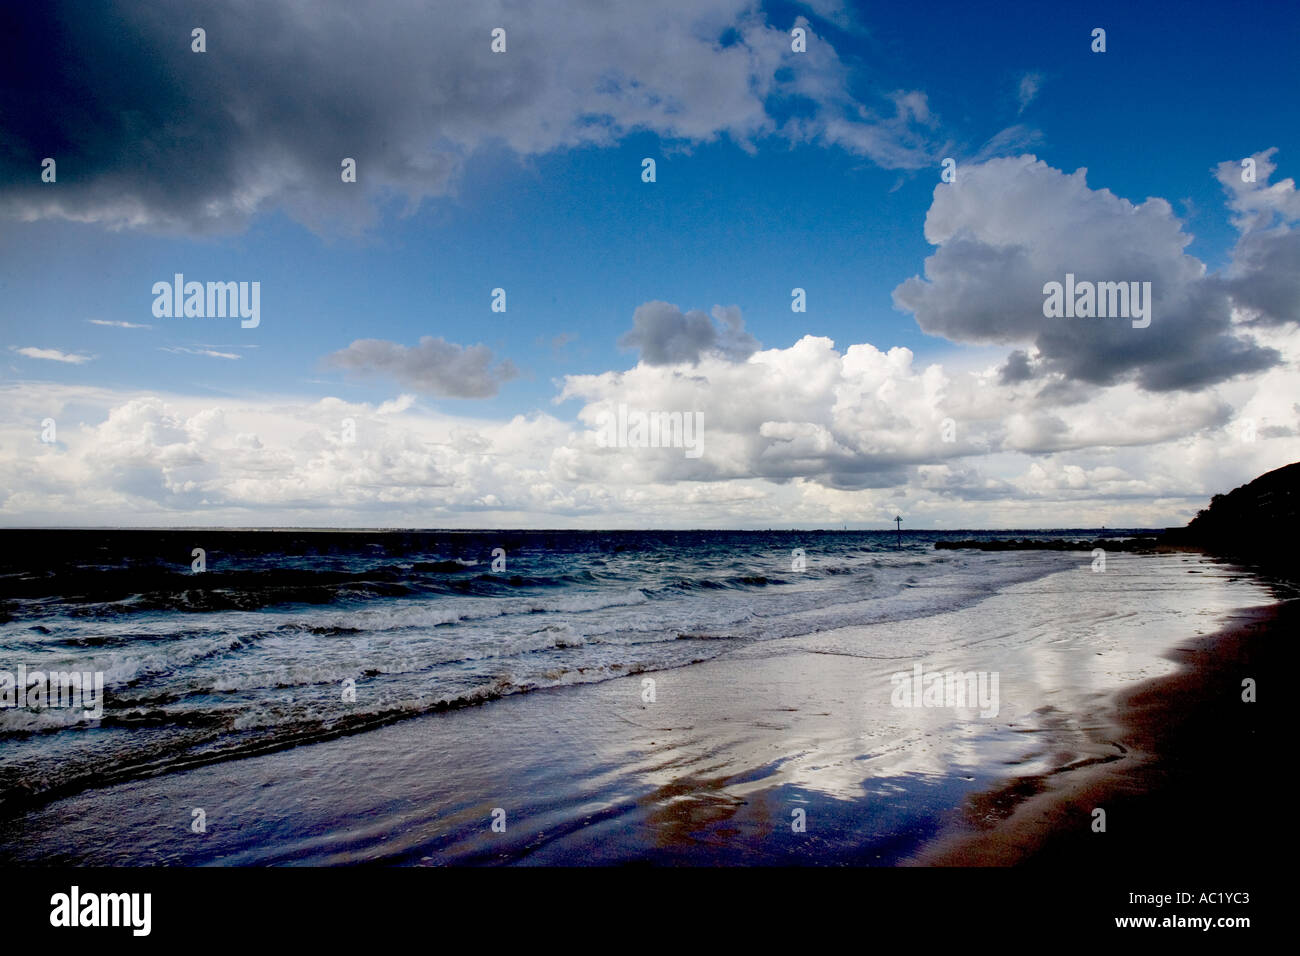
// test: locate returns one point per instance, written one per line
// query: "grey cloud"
(1058, 391)
(1008, 226)
(962, 482)
(1278, 431)
(149, 134)
(667, 336)
(1264, 277)
(434, 367)
(1016, 369)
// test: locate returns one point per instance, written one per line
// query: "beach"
(1115, 689)
(1192, 786)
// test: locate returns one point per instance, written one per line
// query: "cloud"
(1264, 275)
(863, 418)
(1264, 278)
(148, 134)
(1013, 139)
(1028, 89)
(118, 325)
(52, 355)
(151, 458)
(1257, 204)
(209, 352)
(434, 367)
(1009, 226)
(1016, 369)
(667, 336)
(833, 11)
(813, 434)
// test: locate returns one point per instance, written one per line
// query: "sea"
(277, 638)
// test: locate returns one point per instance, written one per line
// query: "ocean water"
(257, 652)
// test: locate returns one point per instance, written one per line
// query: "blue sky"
(738, 216)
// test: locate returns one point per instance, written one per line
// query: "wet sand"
(1197, 783)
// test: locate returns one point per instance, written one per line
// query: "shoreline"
(1187, 790)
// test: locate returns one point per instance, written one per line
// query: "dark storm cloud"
(147, 133)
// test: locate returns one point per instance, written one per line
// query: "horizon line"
(487, 530)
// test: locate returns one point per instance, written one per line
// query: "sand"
(1196, 785)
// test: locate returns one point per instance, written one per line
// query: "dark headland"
(1256, 524)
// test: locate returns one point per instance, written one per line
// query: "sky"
(386, 383)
